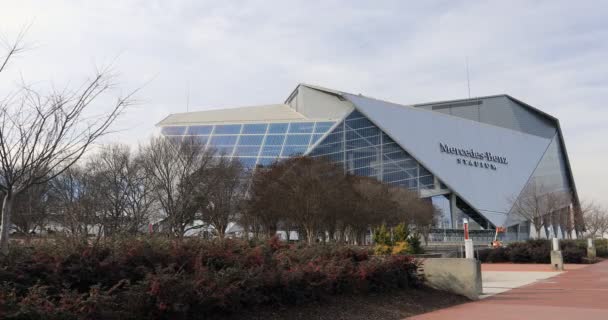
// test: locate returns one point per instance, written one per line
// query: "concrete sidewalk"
(577, 294)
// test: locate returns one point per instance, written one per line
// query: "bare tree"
(537, 204)
(221, 192)
(31, 209)
(73, 204)
(174, 169)
(122, 189)
(595, 219)
(41, 135)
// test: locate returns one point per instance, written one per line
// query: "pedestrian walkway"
(577, 294)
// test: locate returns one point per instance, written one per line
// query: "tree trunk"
(7, 207)
(538, 228)
(310, 236)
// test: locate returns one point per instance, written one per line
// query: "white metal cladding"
(500, 111)
(420, 132)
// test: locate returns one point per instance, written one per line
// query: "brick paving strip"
(579, 294)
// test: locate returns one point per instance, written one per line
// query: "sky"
(201, 55)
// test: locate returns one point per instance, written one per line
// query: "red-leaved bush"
(193, 278)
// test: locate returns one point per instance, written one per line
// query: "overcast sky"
(550, 54)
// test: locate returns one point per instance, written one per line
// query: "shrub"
(415, 245)
(601, 247)
(400, 233)
(382, 236)
(401, 247)
(494, 255)
(519, 252)
(574, 254)
(536, 251)
(382, 249)
(166, 279)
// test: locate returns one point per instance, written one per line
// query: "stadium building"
(471, 157)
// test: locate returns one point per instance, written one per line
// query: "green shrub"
(493, 255)
(536, 251)
(601, 247)
(415, 245)
(401, 233)
(382, 236)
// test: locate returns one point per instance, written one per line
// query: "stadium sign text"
(473, 158)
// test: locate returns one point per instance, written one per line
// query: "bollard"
(468, 249)
(557, 260)
(591, 251)
(555, 244)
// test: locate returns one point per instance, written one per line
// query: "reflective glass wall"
(254, 143)
(363, 149)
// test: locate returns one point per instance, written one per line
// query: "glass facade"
(254, 143)
(356, 144)
(364, 149)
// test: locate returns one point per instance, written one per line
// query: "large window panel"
(301, 127)
(334, 137)
(322, 127)
(359, 123)
(427, 182)
(257, 128)
(251, 140)
(274, 140)
(199, 130)
(315, 138)
(298, 139)
(359, 143)
(290, 151)
(173, 131)
(278, 128)
(271, 151)
(247, 151)
(228, 129)
(223, 140)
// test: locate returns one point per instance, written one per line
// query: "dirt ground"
(384, 306)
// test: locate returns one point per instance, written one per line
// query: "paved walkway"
(580, 294)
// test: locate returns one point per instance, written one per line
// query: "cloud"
(550, 54)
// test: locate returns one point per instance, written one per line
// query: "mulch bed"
(383, 306)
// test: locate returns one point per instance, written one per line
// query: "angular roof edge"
(273, 112)
(338, 92)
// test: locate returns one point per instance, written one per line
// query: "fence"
(478, 236)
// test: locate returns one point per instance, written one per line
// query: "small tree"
(41, 135)
(302, 190)
(373, 205)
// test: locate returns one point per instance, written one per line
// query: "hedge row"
(162, 279)
(538, 251)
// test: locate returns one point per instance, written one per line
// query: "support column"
(453, 209)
